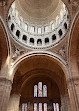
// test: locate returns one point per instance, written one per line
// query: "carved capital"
(62, 52)
(5, 81)
(16, 51)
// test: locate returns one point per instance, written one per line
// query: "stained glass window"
(35, 91)
(40, 106)
(44, 91)
(35, 106)
(56, 106)
(45, 106)
(40, 89)
(24, 107)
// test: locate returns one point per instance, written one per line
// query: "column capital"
(5, 80)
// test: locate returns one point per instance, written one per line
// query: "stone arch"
(74, 40)
(50, 55)
(31, 66)
(4, 43)
(73, 49)
(5, 83)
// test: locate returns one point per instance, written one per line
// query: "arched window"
(35, 91)
(18, 33)
(67, 16)
(52, 26)
(45, 106)
(9, 18)
(60, 32)
(56, 106)
(32, 40)
(39, 30)
(46, 40)
(65, 25)
(12, 27)
(53, 37)
(46, 28)
(40, 90)
(40, 106)
(24, 37)
(25, 27)
(44, 91)
(24, 107)
(32, 29)
(35, 106)
(39, 42)
(40, 103)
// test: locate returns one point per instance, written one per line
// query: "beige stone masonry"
(5, 88)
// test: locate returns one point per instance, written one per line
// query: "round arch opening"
(37, 69)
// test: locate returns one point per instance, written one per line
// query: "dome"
(39, 11)
(38, 24)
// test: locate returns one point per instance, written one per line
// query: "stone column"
(5, 89)
(73, 97)
(65, 103)
(13, 104)
(73, 83)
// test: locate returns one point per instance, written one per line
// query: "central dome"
(37, 4)
(38, 23)
(38, 10)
